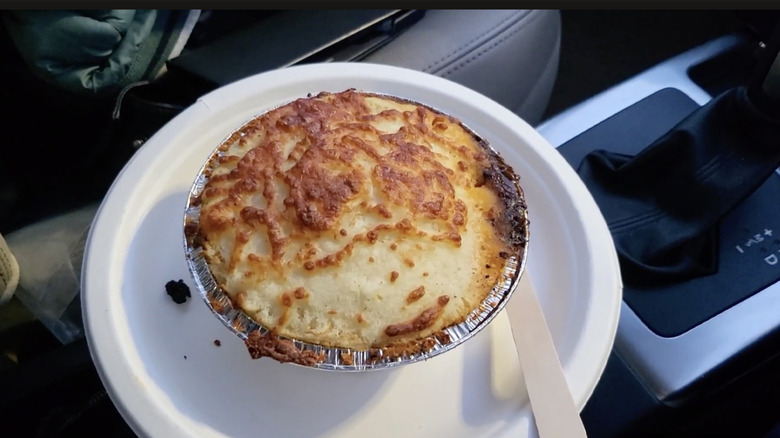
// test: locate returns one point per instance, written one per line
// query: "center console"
(682, 346)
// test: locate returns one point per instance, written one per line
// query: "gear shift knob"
(764, 87)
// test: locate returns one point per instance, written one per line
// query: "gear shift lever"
(764, 87)
(663, 204)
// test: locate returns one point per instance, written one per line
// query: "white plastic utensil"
(555, 413)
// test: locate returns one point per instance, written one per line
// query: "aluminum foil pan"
(344, 359)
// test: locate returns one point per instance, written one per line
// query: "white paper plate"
(159, 362)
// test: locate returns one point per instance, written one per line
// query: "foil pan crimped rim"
(242, 324)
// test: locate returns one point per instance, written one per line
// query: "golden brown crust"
(396, 350)
(346, 358)
(422, 321)
(415, 294)
(283, 350)
(296, 196)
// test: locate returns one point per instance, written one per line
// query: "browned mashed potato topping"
(357, 220)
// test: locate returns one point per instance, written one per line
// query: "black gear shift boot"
(743, 225)
(662, 205)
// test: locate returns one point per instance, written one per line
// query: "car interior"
(675, 112)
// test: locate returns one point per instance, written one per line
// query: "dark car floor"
(599, 49)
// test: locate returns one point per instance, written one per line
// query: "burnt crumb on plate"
(178, 291)
(217, 342)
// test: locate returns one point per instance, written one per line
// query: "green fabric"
(95, 51)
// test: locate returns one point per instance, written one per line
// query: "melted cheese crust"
(353, 220)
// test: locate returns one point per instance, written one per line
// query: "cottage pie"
(357, 220)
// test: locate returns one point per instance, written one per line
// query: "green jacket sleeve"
(96, 51)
